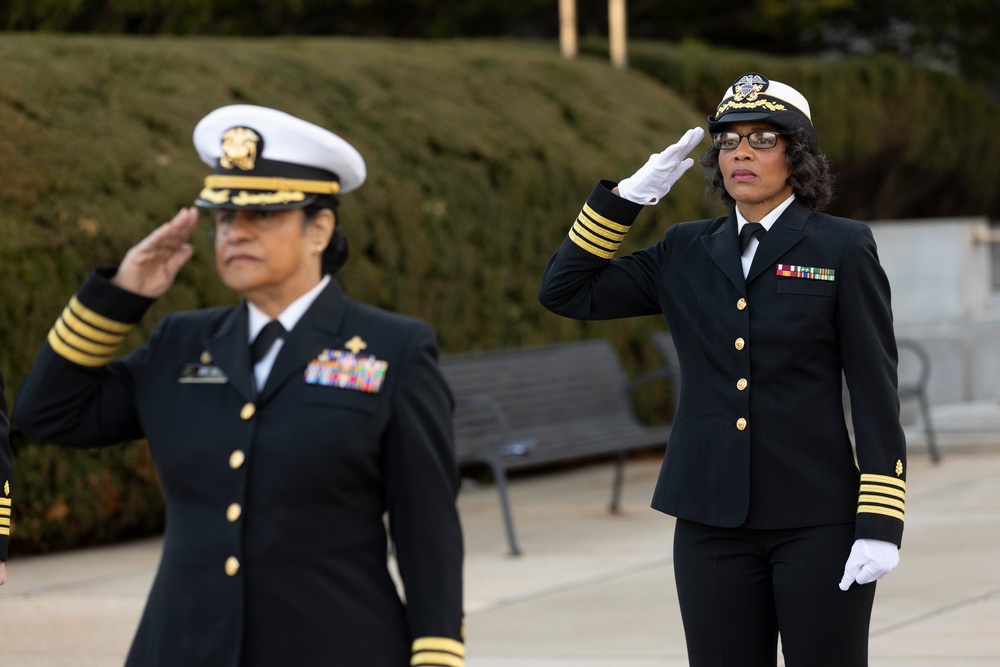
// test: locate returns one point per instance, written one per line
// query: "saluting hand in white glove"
(869, 561)
(655, 178)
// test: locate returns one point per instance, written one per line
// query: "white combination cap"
(753, 97)
(267, 159)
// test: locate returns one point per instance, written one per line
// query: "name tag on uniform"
(807, 272)
(201, 374)
(347, 370)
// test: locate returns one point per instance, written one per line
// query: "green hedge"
(479, 154)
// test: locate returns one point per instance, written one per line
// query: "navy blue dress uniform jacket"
(275, 547)
(760, 438)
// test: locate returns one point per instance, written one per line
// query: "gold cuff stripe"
(86, 337)
(70, 337)
(589, 247)
(437, 659)
(99, 321)
(883, 479)
(5, 521)
(878, 488)
(882, 500)
(596, 239)
(874, 509)
(439, 644)
(77, 357)
(90, 332)
(276, 184)
(4, 502)
(610, 224)
(5, 510)
(4, 531)
(596, 227)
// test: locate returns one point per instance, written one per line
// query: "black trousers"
(739, 588)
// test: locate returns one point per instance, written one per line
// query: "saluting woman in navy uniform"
(284, 429)
(778, 531)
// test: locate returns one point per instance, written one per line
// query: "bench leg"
(616, 488)
(925, 413)
(500, 479)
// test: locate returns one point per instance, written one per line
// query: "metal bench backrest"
(534, 390)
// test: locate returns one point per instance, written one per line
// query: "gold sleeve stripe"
(4, 531)
(882, 500)
(596, 239)
(77, 357)
(610, 224)
(4, 502)
(85, 337)
(87, 331)
(883, 479)
(597, 234)
(437, 659)
(5, 510)
(874, 509)
(97, 320)
(5, 521)
(84, 344)
(877, 488)
(439, 644)
(589, 247)
(587, 223)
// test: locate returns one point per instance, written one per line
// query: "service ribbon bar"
(808, 272)
(346, 370)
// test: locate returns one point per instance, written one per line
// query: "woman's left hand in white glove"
(869, 561)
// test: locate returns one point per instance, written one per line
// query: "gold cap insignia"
(356, 344)
(748, 87)
(899, 467)
(239, 148)
(206, 358)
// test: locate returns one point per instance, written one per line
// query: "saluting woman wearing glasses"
(769, 308)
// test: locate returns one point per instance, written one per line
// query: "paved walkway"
(591, 588)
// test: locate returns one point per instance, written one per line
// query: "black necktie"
(271, 332)
(750, 230)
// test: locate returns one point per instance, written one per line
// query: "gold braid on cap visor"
(773, 104)
(268, 183)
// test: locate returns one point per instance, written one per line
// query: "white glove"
(869, 561)
(655, 178)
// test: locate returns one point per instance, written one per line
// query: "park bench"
(537, 406)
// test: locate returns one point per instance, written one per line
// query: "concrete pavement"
(591, 588)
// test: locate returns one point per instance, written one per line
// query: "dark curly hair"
(335, 254)
(812, 178)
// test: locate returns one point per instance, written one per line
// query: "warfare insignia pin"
(346, 370)
(356, 344)
(239, 148)
(748, 86)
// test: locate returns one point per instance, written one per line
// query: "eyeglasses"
(727, 141)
